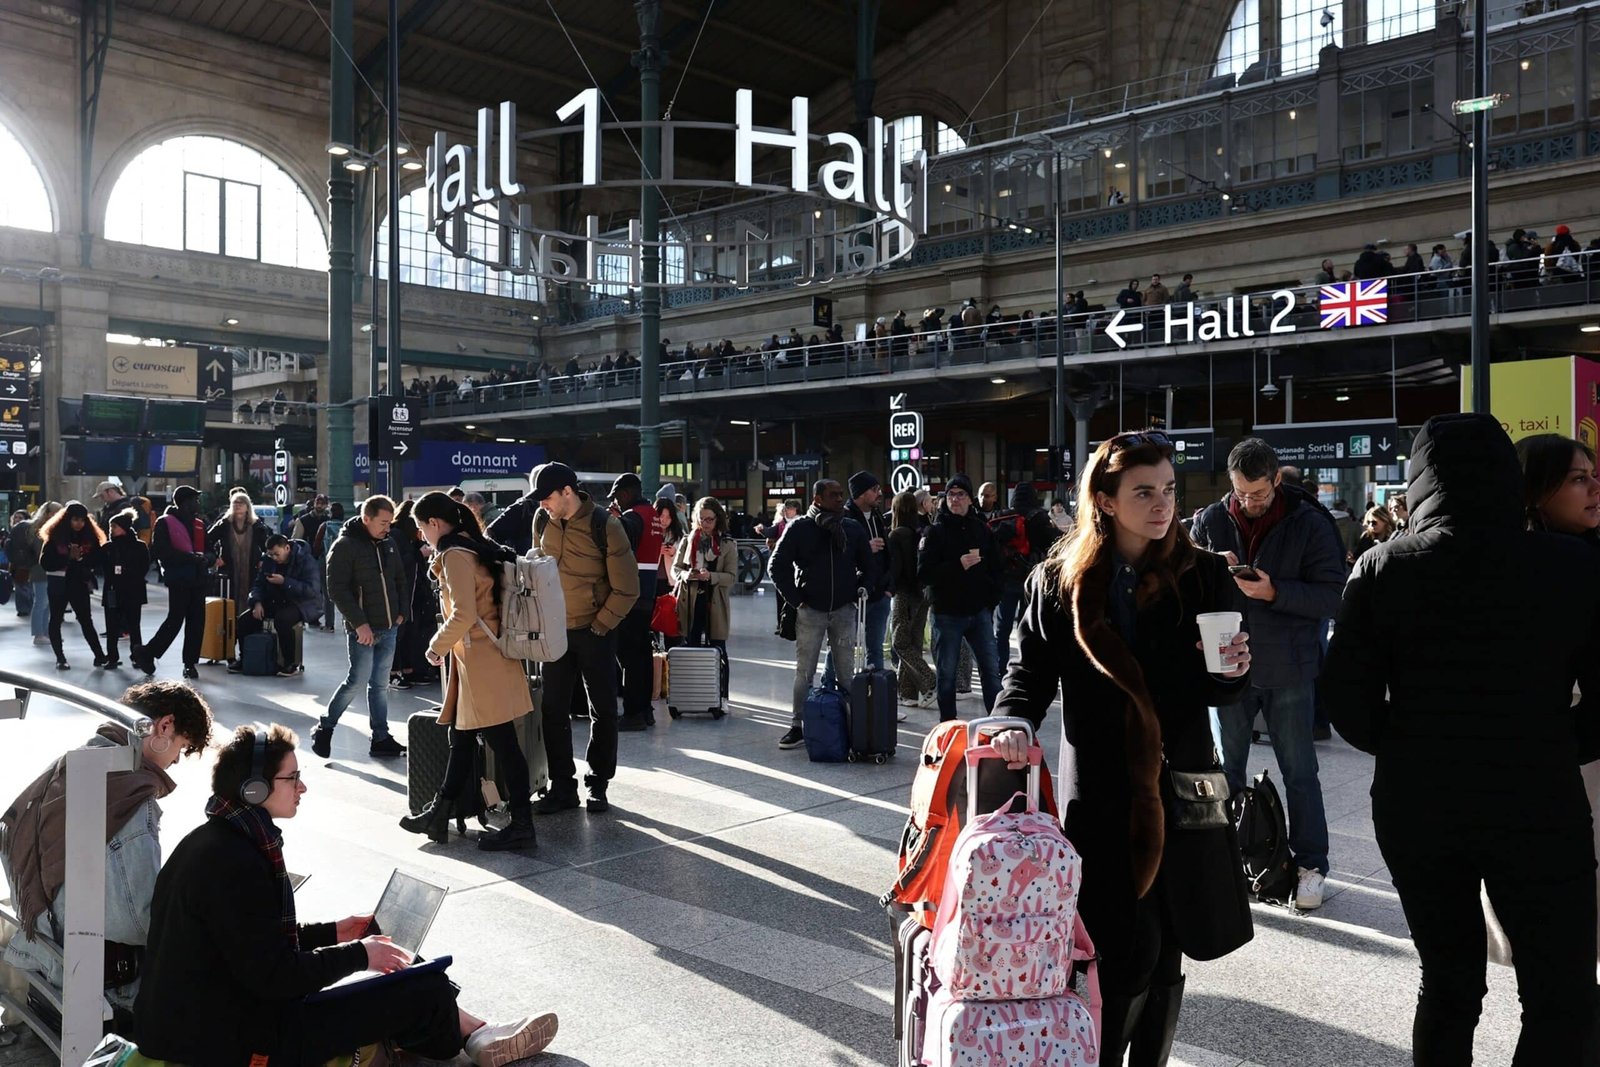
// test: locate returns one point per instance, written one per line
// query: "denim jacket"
(133, 858)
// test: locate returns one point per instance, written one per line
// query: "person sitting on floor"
(35, 841)
(230, 970)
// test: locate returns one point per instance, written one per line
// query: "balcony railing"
(1521, 285)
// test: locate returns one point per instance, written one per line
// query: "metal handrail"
(83, 950)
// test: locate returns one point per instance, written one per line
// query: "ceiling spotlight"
(1593, 327)
(947, 187)
(402, 150)
(355, 166)
(739, 422)
(336, 149)
(1526, 63)
(1226, 197)
(1292, 114)
(710, 237)
(411, 164)
(997, 381)
(368, 327)
(1121, 165)
(1269, 390)
(1341, 397)
(230, 321)
(470, 426)
(533, 318)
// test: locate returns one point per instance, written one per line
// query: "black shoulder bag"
(1202, 877)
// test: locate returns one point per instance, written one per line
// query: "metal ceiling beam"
(418, 13)
(766, 42)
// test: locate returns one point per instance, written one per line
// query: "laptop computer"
(405, 913)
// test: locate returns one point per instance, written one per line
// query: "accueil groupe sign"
(857, 209)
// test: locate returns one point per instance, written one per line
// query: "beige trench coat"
(723, 574)
(482, 688)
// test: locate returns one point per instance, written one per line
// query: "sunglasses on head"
(1145, 437)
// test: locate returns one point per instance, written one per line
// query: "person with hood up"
(1023, 533)
(1443, 668)
(71, 541)
(124, 563)
(960, 568)
(35, 839)
(289, 588)
(366, 580)
(1297, 569)
(180, 547)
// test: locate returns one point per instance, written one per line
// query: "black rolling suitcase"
(873, 702)
(427, 752)
(530, 739)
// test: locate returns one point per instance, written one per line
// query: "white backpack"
(533, 610)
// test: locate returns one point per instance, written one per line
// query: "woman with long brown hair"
(1110, 623)
(69, 540)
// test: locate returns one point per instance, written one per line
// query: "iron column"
(649, 60)
(1480, 209)
(339, 466)
(1058, 414)
(392, 173)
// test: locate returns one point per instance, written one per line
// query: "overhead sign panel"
(1334, 444)
(150, 371)
(215, 380)
(395, 427)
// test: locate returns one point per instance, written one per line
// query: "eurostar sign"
(856, 208)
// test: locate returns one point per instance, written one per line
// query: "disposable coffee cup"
(1217, 631)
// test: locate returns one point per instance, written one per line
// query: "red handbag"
(664, 620)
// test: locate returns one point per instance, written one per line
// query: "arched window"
(208, 194)
(1304, 28)
(23, 201)
(1387, 19)
(1241, 42)
(424, 261)
(913, 132)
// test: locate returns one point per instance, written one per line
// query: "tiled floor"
(725, 913)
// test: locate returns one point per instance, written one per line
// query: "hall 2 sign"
(1183, 324)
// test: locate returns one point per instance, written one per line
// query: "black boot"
(518, 833)
(433, 820)
(1118, 1017)
(1154, 1030)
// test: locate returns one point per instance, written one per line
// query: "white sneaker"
(494, 1045)
(1308, 892)
(928, 699)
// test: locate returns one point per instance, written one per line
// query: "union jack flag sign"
(1355, 303)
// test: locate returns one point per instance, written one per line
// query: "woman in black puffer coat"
(1453, 661)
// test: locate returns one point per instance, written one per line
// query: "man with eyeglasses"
(821, 561)
(1290, 566)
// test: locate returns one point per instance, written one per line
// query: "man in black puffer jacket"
(822, 560)
(1453, 660)
(960, 568)
(1293, 546)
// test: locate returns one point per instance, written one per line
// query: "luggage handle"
(995, 723)
(976, 754)
(861, 629)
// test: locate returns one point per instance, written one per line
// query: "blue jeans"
(877, 628)
(1288, 713)
(977, 630)
(373, 661)
(39, 616)
(813, 628)
(1005, 618)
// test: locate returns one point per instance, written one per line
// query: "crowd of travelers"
(1395, 628)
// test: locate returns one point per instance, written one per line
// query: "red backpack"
(939, 807)
(1010, 529)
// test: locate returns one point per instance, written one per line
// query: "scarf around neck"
(832, 523)
(1254, 531)
(256, 825)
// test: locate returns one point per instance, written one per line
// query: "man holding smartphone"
(960, 568)
(1286, 557)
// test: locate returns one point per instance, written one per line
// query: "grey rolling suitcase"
(530, 739)
(696, 673)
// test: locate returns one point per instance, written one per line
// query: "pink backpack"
(1006, 940)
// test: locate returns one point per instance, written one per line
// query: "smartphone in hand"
(1245, 572)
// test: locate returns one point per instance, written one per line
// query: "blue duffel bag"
(825, 721)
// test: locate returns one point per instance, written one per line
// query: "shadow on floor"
(1277, 1038)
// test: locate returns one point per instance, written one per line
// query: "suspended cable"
(998, 74)
(667, 116)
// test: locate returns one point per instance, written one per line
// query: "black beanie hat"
(861, 481)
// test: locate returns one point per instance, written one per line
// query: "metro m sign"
(905, 429)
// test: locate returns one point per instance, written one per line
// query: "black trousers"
(418, 1013)
(594, 659)
(634, 650)
(1540, 874)
(285, 617)
(502, 738)
(118, 619)
(186, 611)
(65, 592)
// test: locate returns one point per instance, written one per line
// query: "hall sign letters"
(1235, 318)
(839, 178)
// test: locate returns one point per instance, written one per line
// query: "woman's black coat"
(220, 979)
(1122, 710)
(124, 588)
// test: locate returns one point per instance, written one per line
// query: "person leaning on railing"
(33, 841)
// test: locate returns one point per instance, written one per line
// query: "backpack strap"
(599, 519)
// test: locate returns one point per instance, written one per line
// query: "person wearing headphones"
(229, 968)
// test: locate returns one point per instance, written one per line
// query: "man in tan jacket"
(600, 581)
